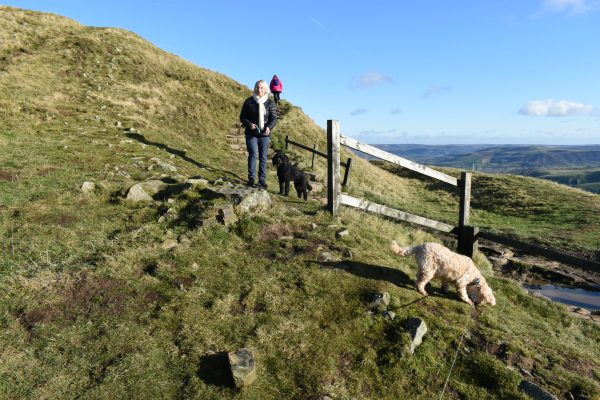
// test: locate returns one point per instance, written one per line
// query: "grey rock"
(389, 315)
(380, 301)
(245, 200)
(535, 392)
(144, 191)
(243, 367)
(417, 329)
(227, 215)
(88, 187)
(341, 233)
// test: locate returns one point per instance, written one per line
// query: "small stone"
(390, 315)
(88, 187)
(243, 367)
(380, 301)
(227, 216)
(342, 233)
(417, 329)
(118, 124)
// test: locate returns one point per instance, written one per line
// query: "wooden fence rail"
(403, 162)
(347, 165)
(396, 214)
(542, 251)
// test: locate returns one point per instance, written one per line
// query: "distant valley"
(577, 166)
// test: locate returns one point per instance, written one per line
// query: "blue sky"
(430, 72)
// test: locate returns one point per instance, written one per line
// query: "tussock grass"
(93, 306)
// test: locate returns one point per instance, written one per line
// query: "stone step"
(236, 131)
(239, 139)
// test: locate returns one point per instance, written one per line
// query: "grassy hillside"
(95, 302)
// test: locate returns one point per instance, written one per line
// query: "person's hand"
(267, 130)
(253, 126)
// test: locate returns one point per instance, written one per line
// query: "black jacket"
(249, 115)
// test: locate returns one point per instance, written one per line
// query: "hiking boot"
(263, 185)
(250, 183)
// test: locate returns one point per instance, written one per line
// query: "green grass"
(92, 305)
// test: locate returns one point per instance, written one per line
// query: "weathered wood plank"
(375, 152)
(333, 166)
(393, 213)
(465, 199)
(542, 251)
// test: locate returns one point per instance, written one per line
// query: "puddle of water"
(587, 299)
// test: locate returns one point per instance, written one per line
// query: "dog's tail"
(403, 251)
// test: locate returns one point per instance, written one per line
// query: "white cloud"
(551, 108)
(435, 90)
(370, 79)
(370, 132)
(572, 7)
(359, 111)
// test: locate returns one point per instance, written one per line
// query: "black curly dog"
(286, 172)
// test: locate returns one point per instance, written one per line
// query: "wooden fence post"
(312, 164)
(286, 141)
(467, 235)
(333, 166)
(347, 172)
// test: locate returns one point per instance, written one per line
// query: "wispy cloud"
(359, 111)
(396, 111)
(316, 21)
(370, 79)
(434, 90)
(371, 132)
(551, 108)
(571, 7)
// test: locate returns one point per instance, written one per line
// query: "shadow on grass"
(378, 272)
(371, 271)
(214, 370)
(180, 153)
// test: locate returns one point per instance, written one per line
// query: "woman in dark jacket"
(259, 116)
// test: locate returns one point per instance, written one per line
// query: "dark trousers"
(258, 148)
(276, 95)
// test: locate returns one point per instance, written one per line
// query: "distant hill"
(571, 165)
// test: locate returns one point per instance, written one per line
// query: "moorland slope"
(104, 298)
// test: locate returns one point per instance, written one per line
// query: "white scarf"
(262, 111)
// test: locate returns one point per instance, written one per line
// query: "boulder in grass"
(144, 191)
(243, 367)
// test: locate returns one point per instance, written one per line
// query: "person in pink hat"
(276, 87)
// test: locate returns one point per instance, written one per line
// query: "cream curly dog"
(436, 261)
